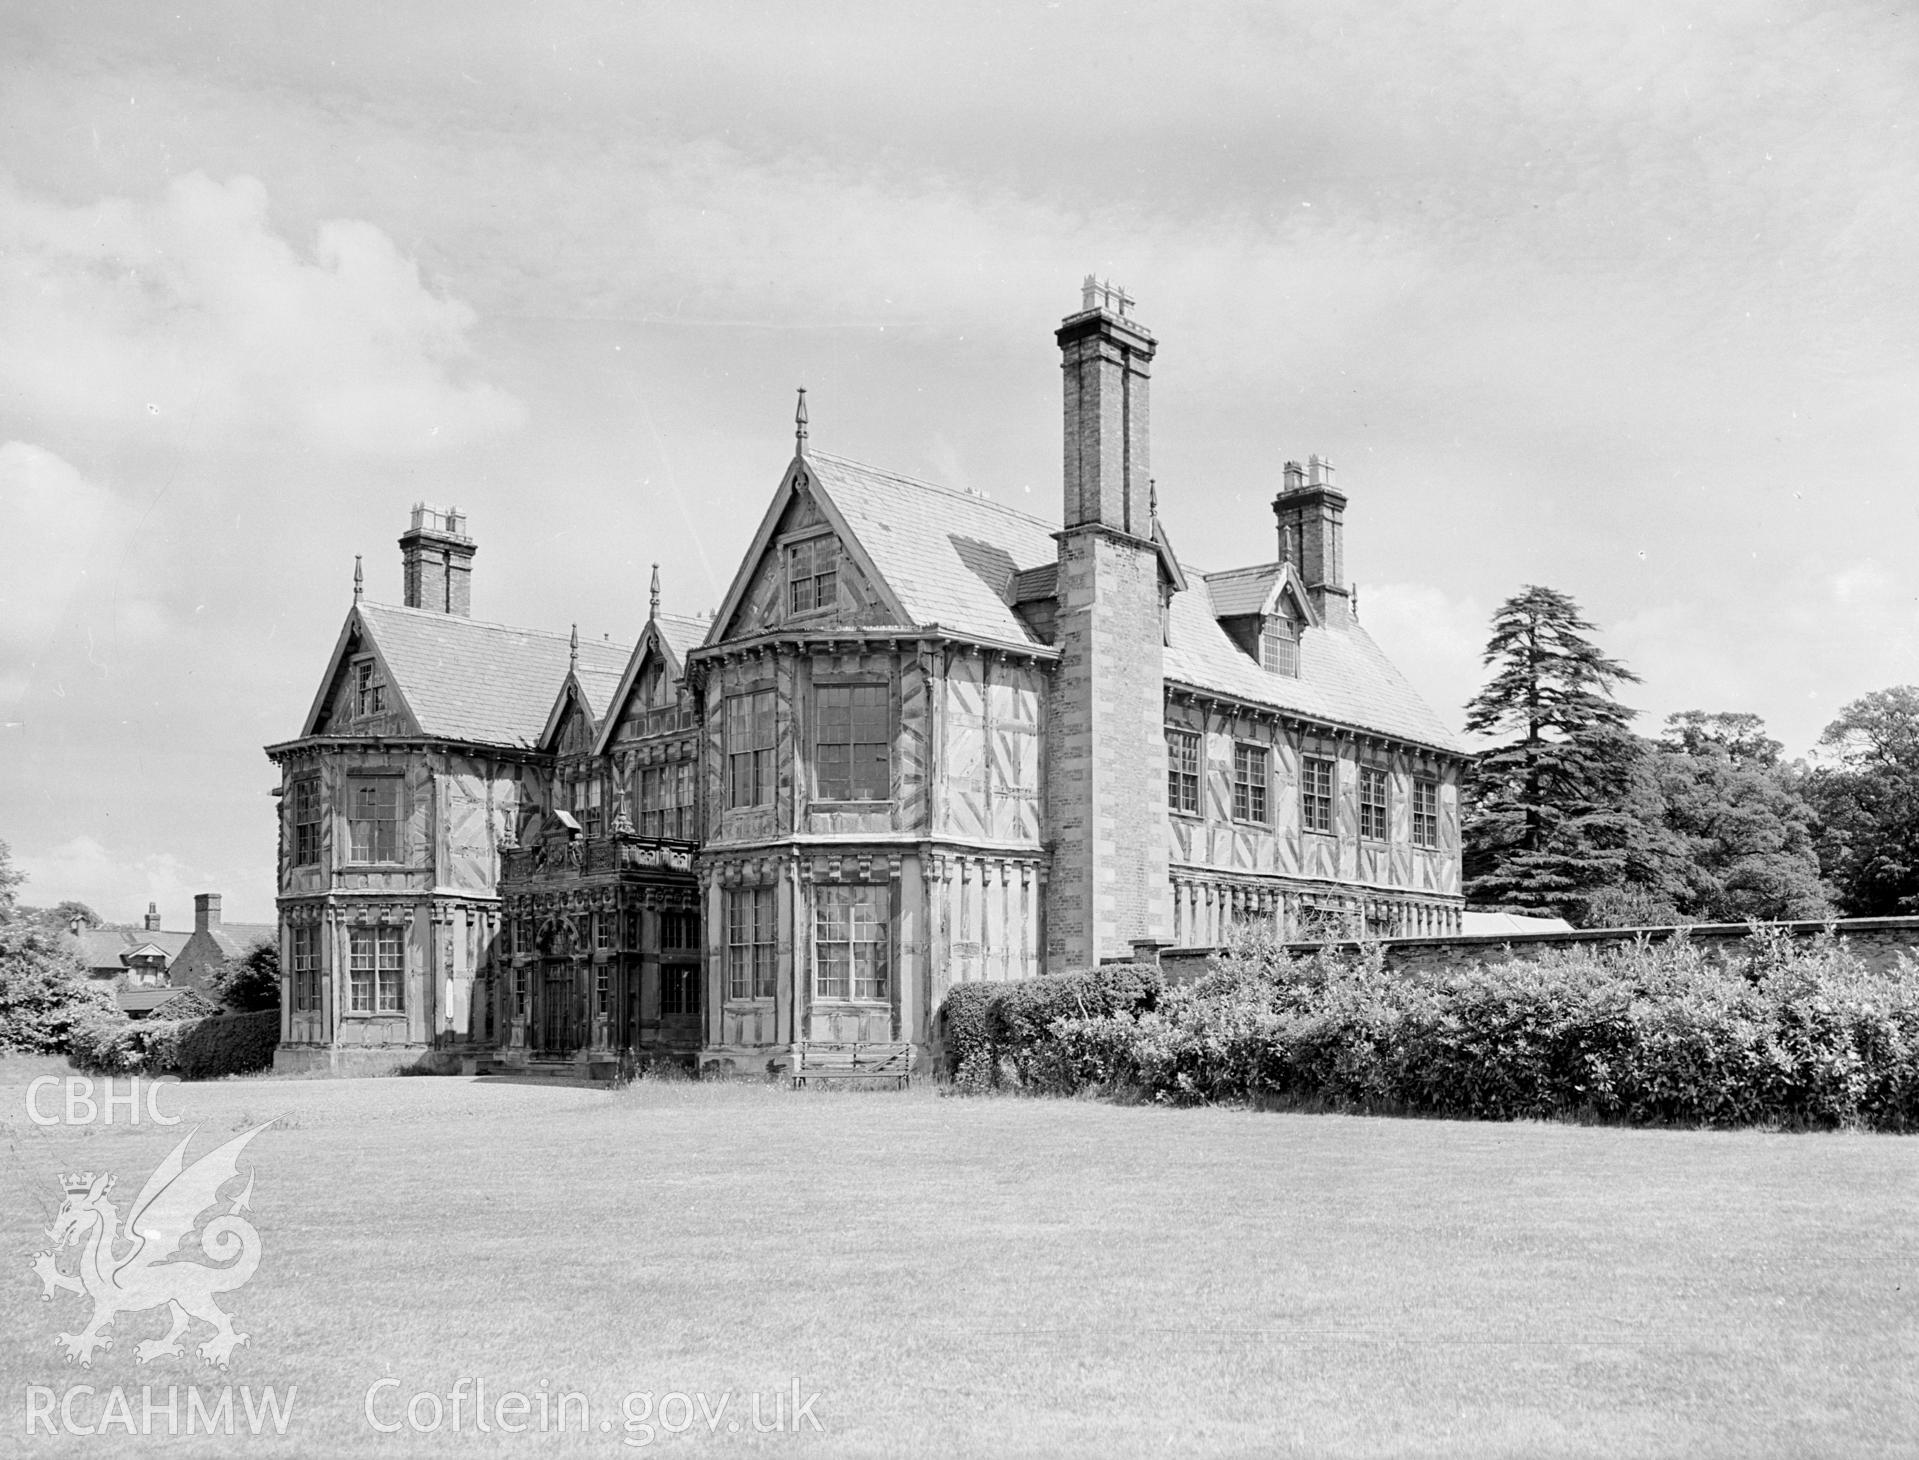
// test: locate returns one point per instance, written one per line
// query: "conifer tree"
(1550, 817)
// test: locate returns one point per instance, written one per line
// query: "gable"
(806, 570)
(652, 698)
(359, 695)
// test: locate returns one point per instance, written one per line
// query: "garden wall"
(1878, 942)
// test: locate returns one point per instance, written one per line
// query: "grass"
(1021, 1277)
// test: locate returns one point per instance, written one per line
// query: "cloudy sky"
(1614, 298)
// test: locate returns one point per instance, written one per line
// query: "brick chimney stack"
(1106, 796)
(206, 911)
(1312, 534)
(153, 917)
(437, 558)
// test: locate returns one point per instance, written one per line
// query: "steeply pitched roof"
(1343, 679)
(467, 680)
(682, 634)
(949, 556)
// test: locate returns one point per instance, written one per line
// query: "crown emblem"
(80, 1183)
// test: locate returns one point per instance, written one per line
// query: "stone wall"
(1877, 941)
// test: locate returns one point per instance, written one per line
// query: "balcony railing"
(558, 858)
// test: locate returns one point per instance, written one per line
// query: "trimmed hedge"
(1800, 1036)
(193, 1049)
(985, 1024)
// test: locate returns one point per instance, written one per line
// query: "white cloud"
(66, 563)
(119, 885)
(190, 315)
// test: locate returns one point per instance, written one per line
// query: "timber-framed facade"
(925, 739)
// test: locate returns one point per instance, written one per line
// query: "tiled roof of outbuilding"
(468, 680)
(101, 947)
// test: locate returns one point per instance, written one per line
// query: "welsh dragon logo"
(163, 1215)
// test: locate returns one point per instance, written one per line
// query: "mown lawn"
(1012, 1277)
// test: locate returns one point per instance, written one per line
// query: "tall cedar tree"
(1869, 802)
(1549, 821)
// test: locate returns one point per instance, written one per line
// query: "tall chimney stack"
(1106, 793)
(1312, 534)
(206, 911)
(153, 917)
(436, 556)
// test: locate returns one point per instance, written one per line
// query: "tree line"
(1572, 814)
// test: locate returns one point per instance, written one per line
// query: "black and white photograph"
(987, 730)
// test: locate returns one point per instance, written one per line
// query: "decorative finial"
(359, 579)
(573, 649)
(799, 421)
(653, 597)
(1152, 498)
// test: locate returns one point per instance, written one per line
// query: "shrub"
(1801, 1034)
(109, 1043)
(44, 992)
(227, 1044)
(194, 1049)
(989, 1027)
(963, 1028)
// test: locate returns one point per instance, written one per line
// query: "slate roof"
(100, 948)
(958, 561)
(1241, 591)
(683, 635)
(1343, 676)
(949, 556)
(484, 683)
(598, 685)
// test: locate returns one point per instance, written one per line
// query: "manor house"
(926, 738)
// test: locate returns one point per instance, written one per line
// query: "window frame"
(1425, 813)
(304, 953)
(358, 843)
(821, 589)
(1252, 795)
(752, 966)
(308, 817)
(376, 980)
(369, 692)
(853, 745)
(679, 990)
(1276, 630)
(867, 961)
(1315, 796)
(1180, 740)
(1375, 814)
(754, 761)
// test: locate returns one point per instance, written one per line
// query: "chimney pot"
(153, 917)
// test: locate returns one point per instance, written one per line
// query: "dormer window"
(812, 575)
(369, 690)
(1279, 646)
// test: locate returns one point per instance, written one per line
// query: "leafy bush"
(227, 1044)
(194, 1049)
(44, 992)
(248, 983)
(1799, 1034)
(109, 1043)
(989, 1025)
